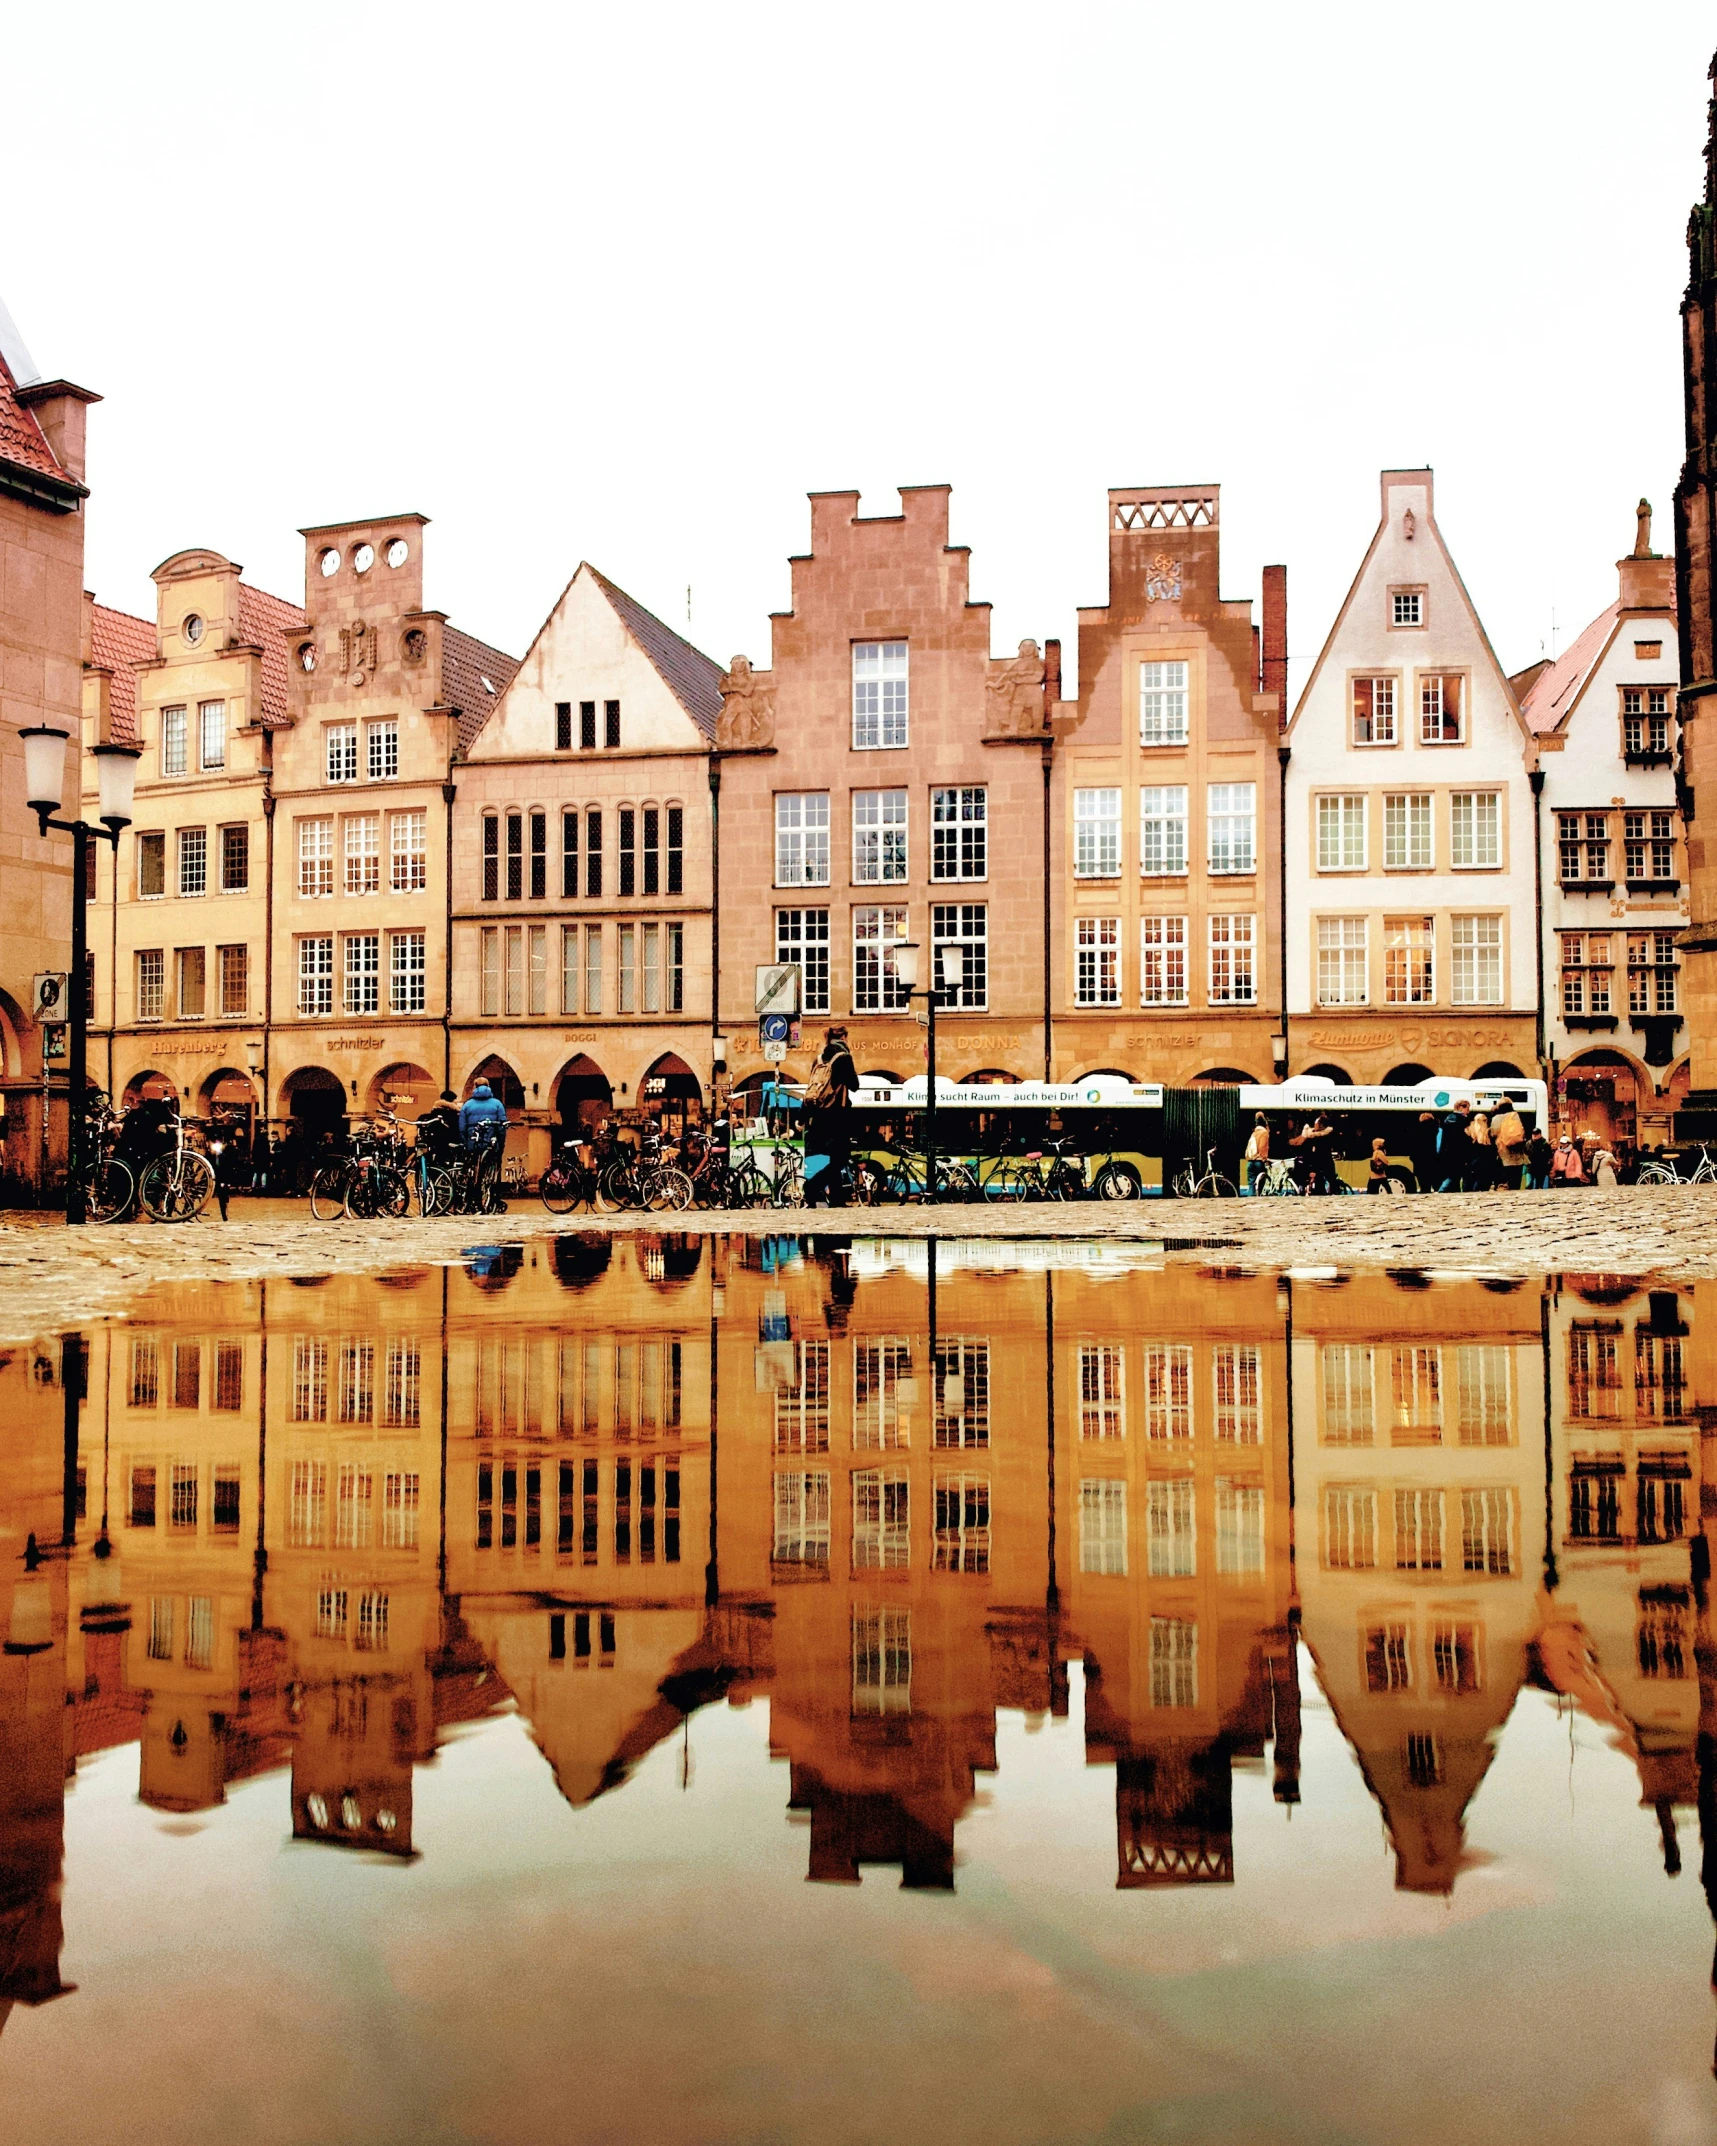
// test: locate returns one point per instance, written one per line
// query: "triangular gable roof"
(1447, 557)
(22, 440)
(1553, 695)
(693, 678)
(266, 622)
(117, 642)
(690, 675)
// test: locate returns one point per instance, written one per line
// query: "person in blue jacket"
(482, 1118)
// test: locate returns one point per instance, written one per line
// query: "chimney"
(1273, 671)
(60, 411)
(1646, 582)
(1051, 676)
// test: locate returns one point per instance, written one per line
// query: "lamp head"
(905, 953)
(45, 767)
(116, 784)
(951, 967)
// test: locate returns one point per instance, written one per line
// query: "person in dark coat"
(828, 1120)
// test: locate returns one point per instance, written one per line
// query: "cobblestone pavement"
(52, 1277)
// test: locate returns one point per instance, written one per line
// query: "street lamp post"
(950, 973)
(44, 785)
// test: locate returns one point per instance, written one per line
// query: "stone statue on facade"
(747, 708)
(1016, 694)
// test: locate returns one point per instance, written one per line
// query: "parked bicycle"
(569, 1181)
(107, 1184)
(1666, 1169)
(178, 1185)
(1206, 1184)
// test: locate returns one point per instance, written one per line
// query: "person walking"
(1539, 1154)
(1422, 1151)
(828, 1119)
(1453, 1148)
(1481, 1163)
(1508, 1140)
(1257, 1152)
(1378, 1168)
(1604, 1172)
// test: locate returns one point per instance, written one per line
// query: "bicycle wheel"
(110, 1191)
(176, 1188)
(1657, 1173)
(361, 1201)
(392, 1193)
(668, 1187)
(1116, 1182)
(867, 1184)
(1185, 1183)
(328, 1191)
(1214, 1186)
(560, 1187)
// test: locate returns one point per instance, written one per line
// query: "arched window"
(515, 856)
(628, 850)
(569, 853)
(539, 855)
(491, 857)
(652, 849)
(676, 848)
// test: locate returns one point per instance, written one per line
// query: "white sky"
(624, 283)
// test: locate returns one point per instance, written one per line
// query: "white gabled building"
(1615, 882)
(1407, 828)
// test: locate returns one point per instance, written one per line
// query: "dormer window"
(1645, 723)
(1406, 607)
(192, 629)
(879, 695)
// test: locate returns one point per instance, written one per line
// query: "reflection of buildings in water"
(1419, 1480)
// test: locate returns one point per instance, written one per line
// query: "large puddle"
(1206, 1705)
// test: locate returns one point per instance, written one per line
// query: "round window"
(363, 558)
(398, 552)
(307, 656)
(330, 562)
(193, 628)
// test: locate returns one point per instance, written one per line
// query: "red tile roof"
(117, 641)
(1556, 688)
(690, 675)
(473, 678)
(21, 439)
(268, 622)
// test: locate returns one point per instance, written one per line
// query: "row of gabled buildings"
(373, 856)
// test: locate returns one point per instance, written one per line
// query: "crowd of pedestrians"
(1463, 1149)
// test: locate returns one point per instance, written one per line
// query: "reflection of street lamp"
(44, 787)
(950, 975)
(31, 1630)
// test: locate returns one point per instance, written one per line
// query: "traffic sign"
(778, 987)
(774, 1028)
(773, 1051)
(48, 997)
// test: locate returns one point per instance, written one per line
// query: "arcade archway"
(583, 1096)
(503, 1081)
(407, 1090)
(314, 1100)
(231, 1096)
(1601, 1091)
(149, 1088)
(672, 1093)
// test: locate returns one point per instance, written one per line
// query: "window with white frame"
(1416, 1395)
(879, 695)
(801, 1517)
(489, 970)
(569, 968)
(1102, 1390)
(1162, 961)
(1350, 1529)
(151, 982)
(1408, 961)
(882, 1363)
(1406, 607)
(1103, 1526)
(315, 857)
(316, 974)
(1171, 1527)
(1407, 835)
(1096, 834)
(1475, 958)
(1648, 847)
(1349, 1394)
(1237, 1383)
(211, 734)
(882, 1661)
(406, 971)
(1588, 975)
(1651, 972)
(879, 836)
(408, 852)
(1168, 1390)
(882, 1520)
(1374, 711)
(1475, 830)
(363, 853)
(381, 741)
(193, 860)
(1174, 1662)
(1233, 971)
(1341, 961)
(1645, 720)
(341, 744)
(1583, 848)
(234, 979)
(626, 969)
(1097, 961)
(1442, 708)
(1162, 703)
(362, 971)
(1239, 1529)
(1341, 833)
(1231, 812)
(962, 1538)
(960, 831)
(173, 741)
(802, 1409)
(961, 1372)
(593, 968)
(1487, 1532)
(802, 935)
(965, 925)
(1162, 831)
(876, 983)
(802, 839)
